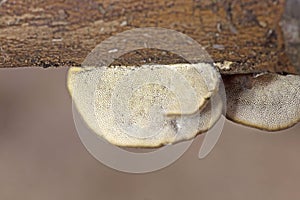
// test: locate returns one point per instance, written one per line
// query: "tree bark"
(54, 33)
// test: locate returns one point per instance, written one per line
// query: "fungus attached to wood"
(147, 106)
(267, 101)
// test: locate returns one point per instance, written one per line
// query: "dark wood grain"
(59, 33)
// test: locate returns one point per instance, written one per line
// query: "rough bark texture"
(290, 24)
(49, 33)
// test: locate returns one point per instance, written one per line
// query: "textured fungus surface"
(267, 101)
(147, 106)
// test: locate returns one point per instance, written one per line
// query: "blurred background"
(41, 156)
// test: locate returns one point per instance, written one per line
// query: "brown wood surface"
(53, 33)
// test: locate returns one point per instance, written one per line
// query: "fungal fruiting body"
(268, 101)
(149, 105)
(155, 105)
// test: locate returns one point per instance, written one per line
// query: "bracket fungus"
(266, 101)
(149, 105)
(155, 105)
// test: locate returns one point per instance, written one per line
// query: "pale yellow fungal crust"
(268, 101)
(147, 106)
(225, 66)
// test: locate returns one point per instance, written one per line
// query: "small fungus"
(268, 102)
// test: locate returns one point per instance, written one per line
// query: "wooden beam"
(55, 33)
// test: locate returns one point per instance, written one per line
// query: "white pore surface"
(146, 106)
(271, 103)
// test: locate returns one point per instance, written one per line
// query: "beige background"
(41, 156)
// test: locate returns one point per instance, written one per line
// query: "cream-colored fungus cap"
(268, 101)
(147, 106)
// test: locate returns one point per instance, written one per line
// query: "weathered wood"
(61, 33)
(290, 24)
